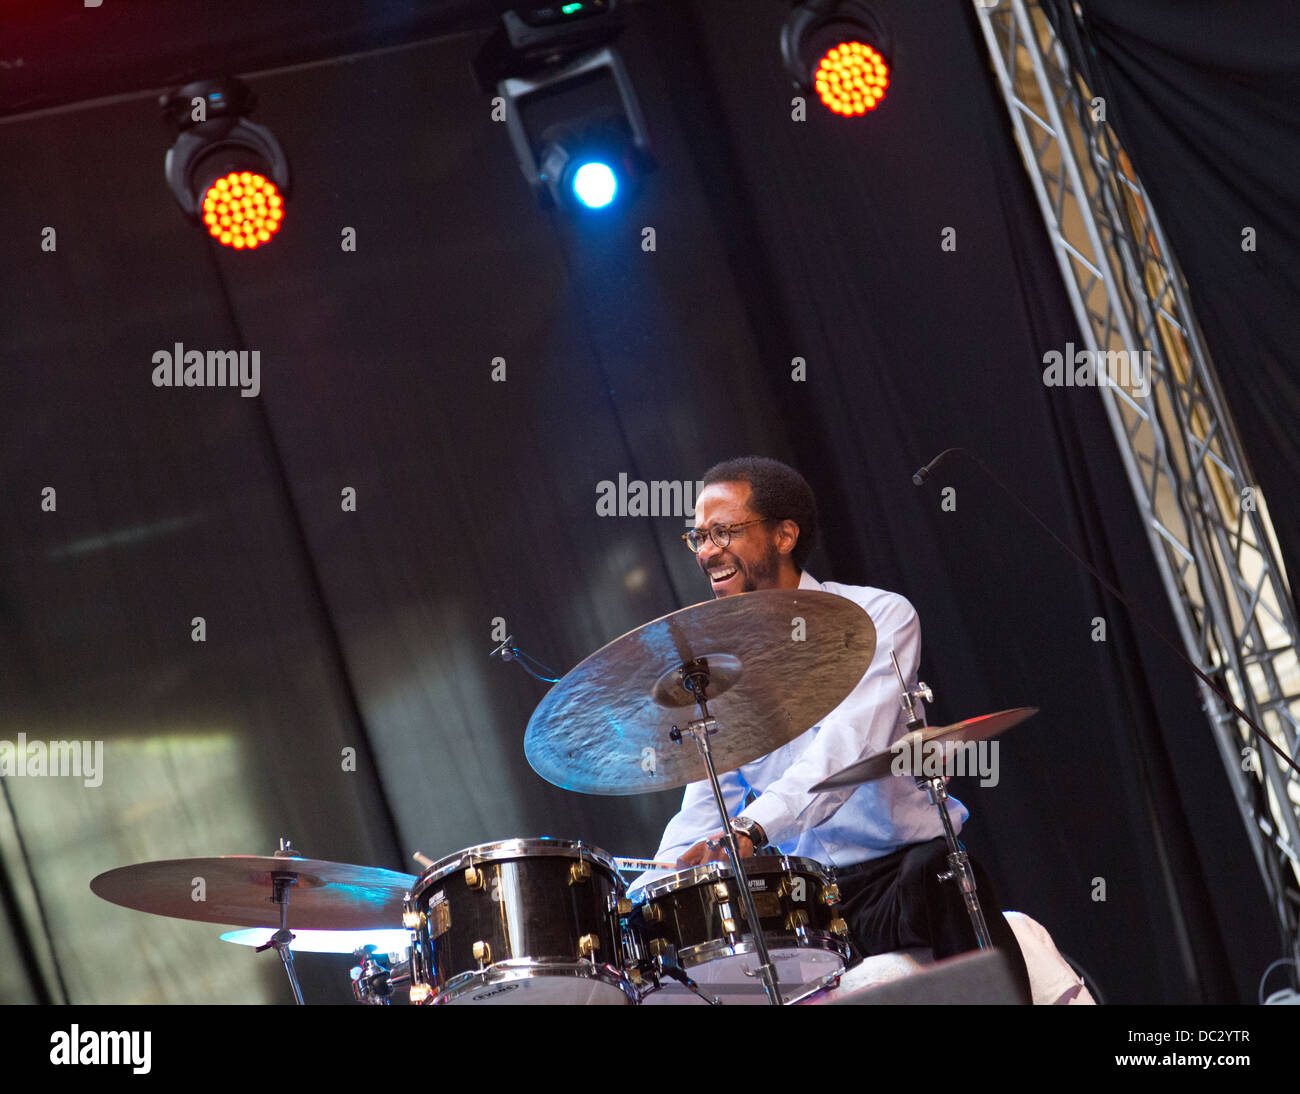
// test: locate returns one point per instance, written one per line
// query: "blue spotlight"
(595, 184)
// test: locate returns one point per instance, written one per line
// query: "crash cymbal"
(880, 764)
(385, 940)
(780, 660)
(236, 890)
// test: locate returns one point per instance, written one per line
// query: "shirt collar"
(807, 581)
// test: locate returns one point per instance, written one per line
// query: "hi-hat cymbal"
(880, 764)
(779, 660)
(236, 890)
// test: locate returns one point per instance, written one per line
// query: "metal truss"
(1205, 517)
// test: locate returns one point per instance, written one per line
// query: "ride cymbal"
(779, 660)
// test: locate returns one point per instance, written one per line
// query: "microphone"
(1219, 689)
(919, 477)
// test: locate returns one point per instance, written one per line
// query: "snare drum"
(695, 919)
(519, 921)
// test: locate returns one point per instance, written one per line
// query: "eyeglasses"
(719, 533)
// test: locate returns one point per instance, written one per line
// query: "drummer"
(755, 524)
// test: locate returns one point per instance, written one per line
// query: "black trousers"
(897, 902)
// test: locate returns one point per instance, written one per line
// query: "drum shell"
(532, 904)
(690, 912)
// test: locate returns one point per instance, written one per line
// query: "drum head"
(529, 985)
(734, 977)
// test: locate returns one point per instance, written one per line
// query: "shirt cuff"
(771, 815)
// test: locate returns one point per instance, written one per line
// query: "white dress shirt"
(840, 827)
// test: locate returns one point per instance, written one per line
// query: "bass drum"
(695, 919)
(519, 921)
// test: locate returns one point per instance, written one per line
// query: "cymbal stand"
(694, 676)
(936, 786)
(281, 883)
(669, 968)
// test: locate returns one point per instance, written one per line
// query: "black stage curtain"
(476, 499)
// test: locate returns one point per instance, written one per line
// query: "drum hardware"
(694, 676)
(281, 883)
(373, 981)
(666, 965)
(936, 786)
(920, 737)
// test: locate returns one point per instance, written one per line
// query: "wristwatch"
(751, 830)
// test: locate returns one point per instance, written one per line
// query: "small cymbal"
(236, 890)
(880, 764)
(384, 939)
(779, 661)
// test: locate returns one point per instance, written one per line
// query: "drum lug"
(796, 920)
(729, 926)
(660, 947)
(623, 906)
(830, 893)
(482, 953)
(579, 871)
(411, 919)
(420, 992)
(720, 890)
(838, 926)
(588, 944)
(652, 913)
(473, 877)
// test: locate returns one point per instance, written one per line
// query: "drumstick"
(422, 859)
(639, 865)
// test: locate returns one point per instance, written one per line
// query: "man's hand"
(713, 850)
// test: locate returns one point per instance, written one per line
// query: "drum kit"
(546, 920)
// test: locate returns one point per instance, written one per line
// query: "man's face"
(751, 561)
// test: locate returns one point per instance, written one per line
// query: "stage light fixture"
(570, 108)
(595, 184)
(226, 172)
(840, 50)
(588, 168)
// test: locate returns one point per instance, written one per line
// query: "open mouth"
(720, 575)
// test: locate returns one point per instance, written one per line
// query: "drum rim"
(519, 848)
(516, 969)
(710, 872)
(702, 953)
